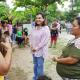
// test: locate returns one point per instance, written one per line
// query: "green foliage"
(48, 7)
(75, 5)
(23, 3)
(52, 12)
(71, 15)
(23, 16)
(4, 11)
(18, 16)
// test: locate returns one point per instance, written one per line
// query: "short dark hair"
(44, 77)
(6, 32)
(3, 22)
(9, 21)
(78, 19)
(44, 22)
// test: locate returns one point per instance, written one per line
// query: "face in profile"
(39, 19)
(75, 28)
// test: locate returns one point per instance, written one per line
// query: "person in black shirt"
(14, 33)
(26, 31)
(25, 35)
(54, 34)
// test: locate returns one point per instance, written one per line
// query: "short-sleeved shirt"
(14, 30)
(70, 70)
(19, 34)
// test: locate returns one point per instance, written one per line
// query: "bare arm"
(67, 60)
(5, 62)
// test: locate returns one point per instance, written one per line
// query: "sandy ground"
(22, 65)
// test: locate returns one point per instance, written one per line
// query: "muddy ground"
(22, 65)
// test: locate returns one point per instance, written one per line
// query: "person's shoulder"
(33, 30)
(77, 43)
(45, 28)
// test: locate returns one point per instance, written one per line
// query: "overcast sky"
(66, 6)
(9, 2)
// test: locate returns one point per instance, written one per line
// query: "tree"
(2, 0)
(32, 7)
(75, 5)
(4, 10)
(42, 4)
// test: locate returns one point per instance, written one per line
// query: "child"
(19, 38)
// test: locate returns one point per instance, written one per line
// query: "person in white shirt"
(68, 26)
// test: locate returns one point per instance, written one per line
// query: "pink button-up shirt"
(39, 39)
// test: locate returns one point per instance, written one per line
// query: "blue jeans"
(38, 66)
(13, 37)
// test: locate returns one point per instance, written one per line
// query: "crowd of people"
(68, 64)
